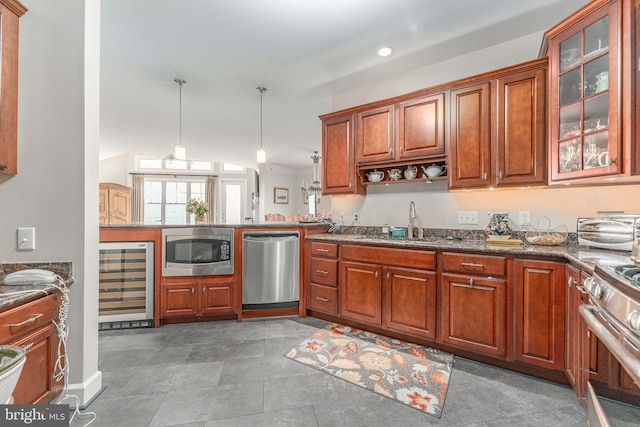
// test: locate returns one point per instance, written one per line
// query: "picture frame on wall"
(280, 195)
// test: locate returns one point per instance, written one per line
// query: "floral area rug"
(412, 374)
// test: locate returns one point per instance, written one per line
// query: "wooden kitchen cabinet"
(591, 66)
(539, 313)
(30, 325)
(338, 156)
(114, 204)
(573, 352)
(10, 13)
(394, 288)
(375, 137)
(474, 302)
(497, 135)
(360, 292)
(410, 301)
(197, 296)
(412, 129)
(323, 277)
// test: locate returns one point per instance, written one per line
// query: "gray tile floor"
(233, 374)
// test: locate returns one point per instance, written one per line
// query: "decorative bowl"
(544, 235)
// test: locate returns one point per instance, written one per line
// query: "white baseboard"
(85, 392)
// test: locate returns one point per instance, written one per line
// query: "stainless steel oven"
(199, 251)
(613, 316)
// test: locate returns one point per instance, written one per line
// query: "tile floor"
(233, 374)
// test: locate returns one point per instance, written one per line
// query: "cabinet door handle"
(388, 275)
(29, 320)
(204, 290)
(472, 265)
(322, 250)
(323, 299)
(571, 282)
(401, 149)
(349, 185)
(484, 176)
(582, 289)
(192, 291)
(322, 272)
(391, 151)
(376, 274)
(471, 282)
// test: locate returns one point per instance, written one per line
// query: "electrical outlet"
(356, 216)
(467, 217)
(524, 217)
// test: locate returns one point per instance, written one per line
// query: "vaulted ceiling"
(302, 51)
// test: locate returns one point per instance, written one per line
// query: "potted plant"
(199, 208)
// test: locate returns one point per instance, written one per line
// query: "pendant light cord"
(180, 83)
(261, 90)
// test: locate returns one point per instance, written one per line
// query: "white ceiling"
(302, 51)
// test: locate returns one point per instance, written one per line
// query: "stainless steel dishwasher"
(270, 269)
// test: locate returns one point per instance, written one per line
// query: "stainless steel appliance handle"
(626, 359)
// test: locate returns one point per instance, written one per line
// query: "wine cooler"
(126, 285)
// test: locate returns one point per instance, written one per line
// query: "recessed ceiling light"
(385, 51)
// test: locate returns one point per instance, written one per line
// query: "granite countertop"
(584, 257)
(267, 224)
(18, 294)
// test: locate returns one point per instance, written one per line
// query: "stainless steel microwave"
(200, 251)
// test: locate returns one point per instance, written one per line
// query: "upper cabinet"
(114, 204)
(10, 13)
(338, 163)
(411, 129)
(497, 128)
(590, 120)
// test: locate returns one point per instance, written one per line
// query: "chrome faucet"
(412, 216)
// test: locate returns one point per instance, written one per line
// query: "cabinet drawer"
(324, 271)
(323, 298)
(414, 258)
(324, 249)
(475, 264)
(27, 317)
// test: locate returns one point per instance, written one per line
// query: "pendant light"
(261, 156)
(179, 150)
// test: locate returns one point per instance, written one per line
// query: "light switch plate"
(26, 238)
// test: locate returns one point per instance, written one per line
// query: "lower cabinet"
(30, 325)
(573, 351)
(196, 296)
(360, 292)
(474, 313)
(410, 301)
(399, 294)
(37, 384)
(539, 313)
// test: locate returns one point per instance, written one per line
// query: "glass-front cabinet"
(586, 90)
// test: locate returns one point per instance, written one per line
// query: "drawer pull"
(472, 265)
(323, 299)
(29, 320)
(322, 250)
(322, 272)
(28, 346)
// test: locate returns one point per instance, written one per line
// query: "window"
(165, 199)
(144, 163)
(230, 167)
